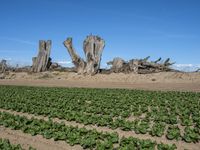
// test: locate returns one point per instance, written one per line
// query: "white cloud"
(183, 65)
(65, 63)
(186, 67)
(7, 59)
(14, 62)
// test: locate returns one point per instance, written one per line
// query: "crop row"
(172, 106)
(111, 108)
(6, 145)
(73, 135)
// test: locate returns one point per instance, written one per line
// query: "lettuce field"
(6, 145)
(133, 119)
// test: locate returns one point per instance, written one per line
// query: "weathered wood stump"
(42, 61)
(93, 48)
(78, 62)
(117, 64)
(141, 66)
(3, 66)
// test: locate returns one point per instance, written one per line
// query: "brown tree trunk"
(42, 61)
(93, 48)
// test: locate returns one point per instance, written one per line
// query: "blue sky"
(131, 28)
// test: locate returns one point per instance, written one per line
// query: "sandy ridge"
(193, 87)
(158, 81)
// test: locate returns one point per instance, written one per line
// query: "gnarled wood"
(78, 62)
(159, 59)
(93, 48)
(141, 66)
(3, 66)
(42, 61)
(116, 64)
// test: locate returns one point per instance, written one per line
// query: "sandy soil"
(180, 144)
(156, 81)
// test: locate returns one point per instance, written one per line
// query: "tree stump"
(116, 64)
(93, 47)
(42, 61)
(3, 66)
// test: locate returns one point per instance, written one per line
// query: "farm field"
(5, 144)
(103, 118)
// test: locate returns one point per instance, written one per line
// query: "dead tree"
(93, 47)
(159, 59)
(42, 61)
(117, 64)
(3, 66)
(78, 62)
(140, 66)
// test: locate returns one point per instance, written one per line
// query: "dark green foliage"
(158, 129)
(88, 139)
(173, 132)
(58, 131)
(191, 135)
(166, 147)
(153, 111)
